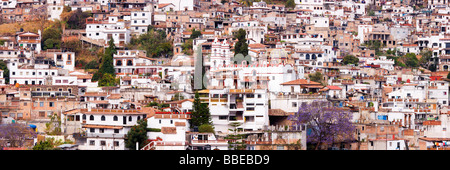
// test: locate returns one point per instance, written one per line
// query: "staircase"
(149, 146)
(99, 43)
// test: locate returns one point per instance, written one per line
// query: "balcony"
(285, 128)
(105, 135)
(238, 106)
(302, 96)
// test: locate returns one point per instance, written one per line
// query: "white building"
(384, 63)
(29, 41)
(103, 31)
(172, 134)
(255, 30)
(140, 20)
(316, 6)
(181, 5)
(106, 128)
(438, 89)
(35, 74)
(248, 107)
(134, 62)
(64, 60)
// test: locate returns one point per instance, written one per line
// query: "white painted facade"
(106, 129)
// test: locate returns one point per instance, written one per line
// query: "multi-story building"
(140, 20)
(106, 128)
(105, 30)
(172, 130)
(134, 62)
(247, 107)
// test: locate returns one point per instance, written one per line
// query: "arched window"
(103, 118)
(313, 57)
(84, 117)
(139, 118)
(91, 117)
(130, 119)
(307, 57)
(116, 118)
(129, 62)
(119, 63)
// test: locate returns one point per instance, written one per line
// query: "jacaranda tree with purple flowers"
(16, 135)
(328, 124)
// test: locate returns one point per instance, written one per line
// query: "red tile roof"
(334, 88)
(300, 82)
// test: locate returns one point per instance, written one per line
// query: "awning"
(204, 91)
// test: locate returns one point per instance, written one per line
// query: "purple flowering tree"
(327, 123)
(15, 134)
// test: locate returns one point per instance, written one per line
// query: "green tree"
(108, 80)
(77, 19)
(177, 96)
(411, 60)
(45, 145)
(187, 47)
(195, 34)
(200, 113)
(427, 61)
(241, 47)
(448, 75)
(206, 128)
(51, 36)
(374, 45)
(290, 4)
(154, 42)
(137, 133)
(5, 71)
(316, 77)
(107, 65)
(350, 59)
(235, 140)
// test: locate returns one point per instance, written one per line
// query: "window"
(280, 147)
(116, 118)
(41, 114)
(294, 104)
(103, 118)
(51, 104)
(102, 130)
(92, 142)
(91, 117)
(116, 130)
(92, 130)
(102, 143)
(41, 104)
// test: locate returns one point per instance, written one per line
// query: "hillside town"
(224, 75)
